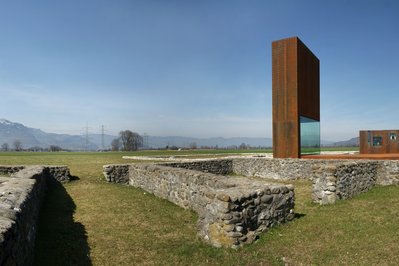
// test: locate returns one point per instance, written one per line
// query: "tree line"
(17, 146)
(126, 141)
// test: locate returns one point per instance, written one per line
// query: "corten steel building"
(296, 99)
(378, 141)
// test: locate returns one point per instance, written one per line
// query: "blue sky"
(192, 68)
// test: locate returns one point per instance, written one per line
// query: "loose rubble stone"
(223, 197)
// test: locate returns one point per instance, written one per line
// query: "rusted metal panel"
(295, 77)
(308, 83)
(379, 141)
(363, 142)
(285, 95)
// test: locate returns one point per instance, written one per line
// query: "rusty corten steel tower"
(296, 95)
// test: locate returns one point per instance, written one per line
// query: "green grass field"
(121, 225)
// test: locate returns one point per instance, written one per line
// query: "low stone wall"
(59, 173)
(21, 196)
(232, 210)
(116, 173)
(218, 167)
(274, 168)
(8, 170)
(332, 179)
(254, 167)
(337, 180)
(388, 173)
(286, 169)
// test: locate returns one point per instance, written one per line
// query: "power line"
(86, 129)
(145, 140)
(87, 136)
(102, 136)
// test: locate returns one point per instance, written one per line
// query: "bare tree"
(35, 148)
(5, 146)
(17, 145)
(243, 146)
(193, 145)
(54, 148)
(115, 144)
(130, 141)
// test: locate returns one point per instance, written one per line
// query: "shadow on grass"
(74, 178)
(60, 240)
(299, 215)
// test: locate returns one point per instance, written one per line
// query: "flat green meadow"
(89, 221)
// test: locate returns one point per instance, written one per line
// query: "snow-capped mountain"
(31, 137)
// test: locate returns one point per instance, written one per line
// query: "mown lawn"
(120, 225)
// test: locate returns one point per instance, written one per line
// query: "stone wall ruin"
(332, 179)
(234, 210)
(22, 190)
(337, 180)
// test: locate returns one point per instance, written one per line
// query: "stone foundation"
(59, 173)
(388, 173)
(8, 170)
(217, 167)
(382, 172)
(273, 168)
(336, 180)
(232, 210)
(21, 196)
(117, 173)
(332, 179)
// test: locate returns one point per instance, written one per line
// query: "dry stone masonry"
(8, 170)
(232, 210)
(218, 167)
(21, 195)
(387, 170)
(273, 168)
(335, 181)
(117, 173)
(388, 173)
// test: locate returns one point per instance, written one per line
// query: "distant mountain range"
(347, 143)
(161, 142)
(31, 137)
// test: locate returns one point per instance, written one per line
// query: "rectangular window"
(377, 141)
(368, 138)
(310, 135)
